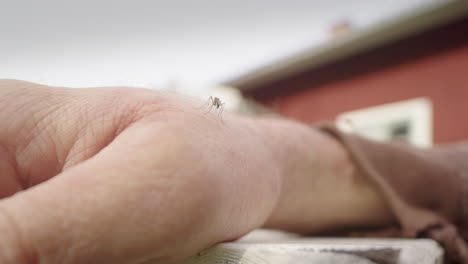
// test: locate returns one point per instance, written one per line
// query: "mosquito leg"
(220, 112)
(207, 103)
(211, 103)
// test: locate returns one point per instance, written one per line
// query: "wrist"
(322, 190)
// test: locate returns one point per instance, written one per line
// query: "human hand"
(116, 175)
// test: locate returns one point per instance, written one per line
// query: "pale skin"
(120, 175)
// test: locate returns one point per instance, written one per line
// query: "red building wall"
(443, 77)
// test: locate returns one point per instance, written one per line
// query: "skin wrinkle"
(38, 146)
(26, 131)
(122, 109)
(70, 102)
(39, 132)
(84, 148)
(159, 108)
(134, 104)
(122, 116)
(54, 142)
(27, 253)
(72, 130)
(19, 157)
(67, 128)
(20, 105)
(81, 150)
(73, 156)
(11, 159)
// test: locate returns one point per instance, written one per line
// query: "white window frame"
(417, 111)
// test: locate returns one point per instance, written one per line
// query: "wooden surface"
(277, 248)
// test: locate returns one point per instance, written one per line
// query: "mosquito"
(215, 102)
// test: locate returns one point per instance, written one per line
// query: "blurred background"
(387, 69)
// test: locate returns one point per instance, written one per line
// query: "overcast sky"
(148, 43)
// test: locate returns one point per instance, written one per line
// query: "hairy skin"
(118, 175)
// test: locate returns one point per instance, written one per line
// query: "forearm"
(175, 172)
(322, 190)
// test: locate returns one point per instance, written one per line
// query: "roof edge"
(354, 43)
